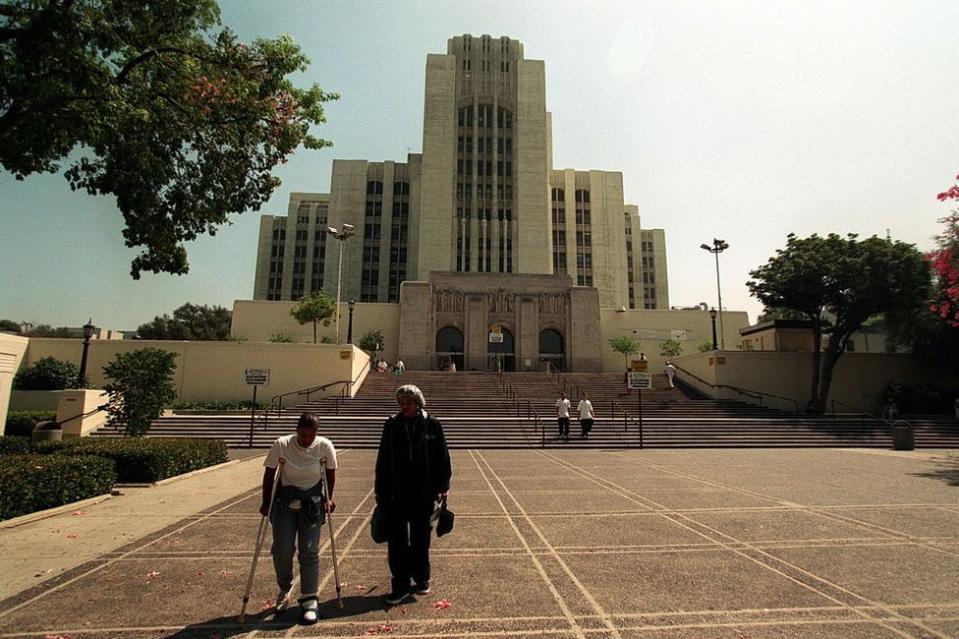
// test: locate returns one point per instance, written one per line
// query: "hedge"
(14, 445)
(35, 482)
(217, 405)
(21, 422)
(140, 460)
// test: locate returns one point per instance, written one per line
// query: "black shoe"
(395, 598)
(422, 588)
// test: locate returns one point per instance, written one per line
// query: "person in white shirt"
(399, 368)
(586, 415)
(670, 373)
(299, 508)
(562, 415)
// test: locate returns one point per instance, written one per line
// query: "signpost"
(255, 377)
(639, 381)
(496, 337)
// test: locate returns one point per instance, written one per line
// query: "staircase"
(476, 412)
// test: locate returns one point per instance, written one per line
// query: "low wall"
(859, 379)
(12, 351)
(35, 400)
(74, 403)
(214, 371)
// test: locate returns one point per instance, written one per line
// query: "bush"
(20, 423)
(233, 405)
(141, 384)
(282, 338)
(140, 460)
(48, 373)
(922, 399)
(29, 483)
(14, 445)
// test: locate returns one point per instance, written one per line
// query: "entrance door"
(502, 352)
(551, 349)
(449, 348)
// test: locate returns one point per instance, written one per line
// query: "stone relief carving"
(448, 301)
(553, 303)
(500, 301)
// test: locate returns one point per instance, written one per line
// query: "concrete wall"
(35, 400)
(12, 351)
(213, 371)
(652, 327)
(858, 380)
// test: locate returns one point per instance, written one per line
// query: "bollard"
(902, 436)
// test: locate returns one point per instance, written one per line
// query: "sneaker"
(395, 598)
(283, 600)
(310, 614)
(422, 588)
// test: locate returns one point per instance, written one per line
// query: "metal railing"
(755, 394)
(864, 414)
(277, 400)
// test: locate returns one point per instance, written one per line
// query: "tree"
(45, 330)
(704, 345)
(625, 345)
(315, 307)
(49, 373)
(9, 326)
(372, 341)
(945, 264)
(770, 314)
(140, 385)
(190, 321)
(671, 348)
(177, 119)
(846, 279)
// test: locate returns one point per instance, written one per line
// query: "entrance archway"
(502, 352)
(449, 348)
(551, 349)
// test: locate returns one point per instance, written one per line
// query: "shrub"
(140, 460)
(35, 482)
(21, 422)
(141, 384)
(14, 445)
(282, 338)
(48, 373)
(224, 405)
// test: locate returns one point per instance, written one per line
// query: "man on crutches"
(299, 509)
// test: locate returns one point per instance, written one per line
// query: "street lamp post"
(349, 329)
(712, 316)
(718, 247)
(346, 232)
(88, 329)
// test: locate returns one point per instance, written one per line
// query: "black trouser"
(563, 426)
(586, 425)
(408, 547)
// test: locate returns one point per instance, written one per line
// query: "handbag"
(379, 525)
(444, 518)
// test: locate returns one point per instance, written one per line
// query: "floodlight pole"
(718, 247)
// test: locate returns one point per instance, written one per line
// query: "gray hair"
(411, 390)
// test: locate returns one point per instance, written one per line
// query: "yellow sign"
(638, 365)
(346, 354)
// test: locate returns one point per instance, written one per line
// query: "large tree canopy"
(845, 279)
(176, 118)
(945, 263)
(190, 321)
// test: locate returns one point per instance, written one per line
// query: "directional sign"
(638, 365)
(495, 338)
(640, 380)
(257, 376)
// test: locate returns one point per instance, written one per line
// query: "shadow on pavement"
(948, 472)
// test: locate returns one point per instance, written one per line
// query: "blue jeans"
(292, 530)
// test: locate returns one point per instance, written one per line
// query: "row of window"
(559, 195)
(375, 187)
(484, 168)
(484, 117)
(464, 143)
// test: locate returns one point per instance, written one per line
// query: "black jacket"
(415, 467)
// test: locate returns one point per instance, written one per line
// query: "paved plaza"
(739, 544)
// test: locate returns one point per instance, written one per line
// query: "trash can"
(46, 431)
(902, 438)
(957, 407)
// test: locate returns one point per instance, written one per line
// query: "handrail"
(80, 416)
(755, 394)
(863, 414)
(278, 399)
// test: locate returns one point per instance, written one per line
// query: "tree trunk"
(814, 405)
(833, 351)
(314, 331)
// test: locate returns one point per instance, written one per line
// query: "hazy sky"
(739, 120)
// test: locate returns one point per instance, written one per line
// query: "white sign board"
(257, 376)
(640, 380)
(495, 338)
(677, 334)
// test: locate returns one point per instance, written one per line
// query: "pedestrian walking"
(299, 508)
(670, 373)
(586, 415)
(562, 415)
(412, 474)
(399, 368)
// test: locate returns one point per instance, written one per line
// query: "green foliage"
(48, 373)
(326, 339)
(672, 348)
(144, 460)
(45, 330)
(773, 313)
(140, 385)
(9, 326)
(190, 322)
(842, 279)
(372, 341)
(176, 118)
(625, 345)
(315, 307)
(282, 338)
(14, 445)
(217, 406)
(927, 335)
(921, 399)
(29, 483)
(704, 345)
(21, 422)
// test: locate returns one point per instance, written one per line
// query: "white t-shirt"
(562, 407)
(302, 468)
(585, 409)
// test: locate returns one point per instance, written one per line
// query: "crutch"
(329, 520)
(260, 535)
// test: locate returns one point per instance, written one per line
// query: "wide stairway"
(517, 410)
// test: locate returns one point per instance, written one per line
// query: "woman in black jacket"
(412, 473)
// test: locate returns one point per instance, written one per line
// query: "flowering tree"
(945, 264)
(178, 120)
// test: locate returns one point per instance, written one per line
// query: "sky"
(743, 121)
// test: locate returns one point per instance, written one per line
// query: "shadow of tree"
(226, 627)
(948, 471)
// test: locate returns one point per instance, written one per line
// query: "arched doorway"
(502, 354)
(449, 348)
(551, 349)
